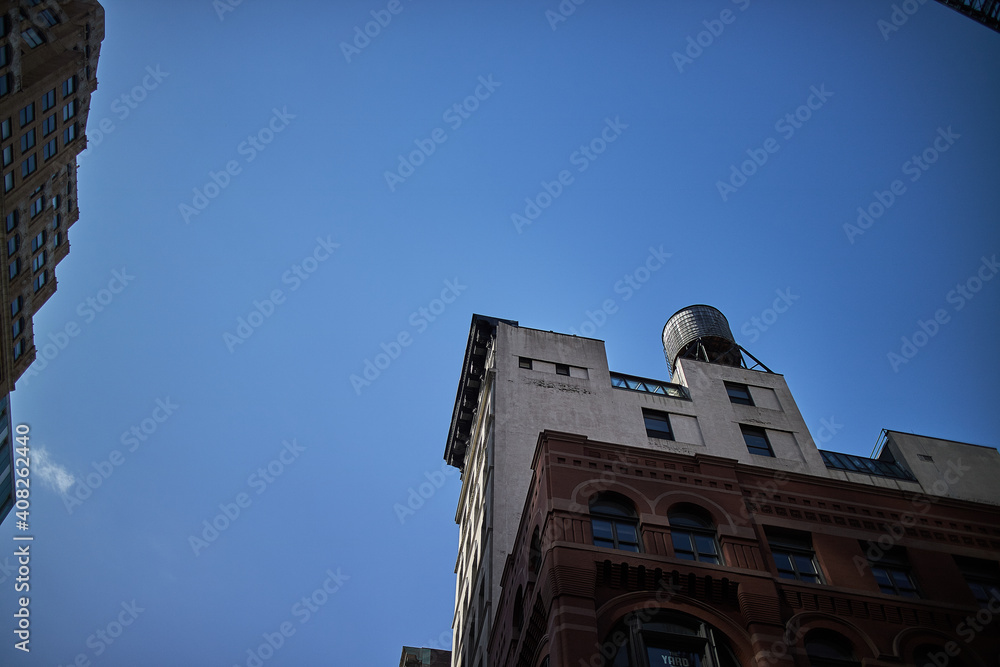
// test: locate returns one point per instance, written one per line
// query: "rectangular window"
(4, 55)
(49, 18)
(8, 181)
(55, 205)
(13, 244)
(739, 393)
(69, 86)
(37, 206)
(15, 306)
(49, 125)
(56, 221)
(56, 239)
(28, 140)
(756, 439)
(28, 166)
(562, 369)
(27, 114)
(40, 280)
(657, 424)
(18, 349)
(17, 327)
(4, 79)
(69, 110)
(49, 150)
(49, 100)
(5, 129)
(11, 220)
(38, 262)
(793, 555)
(891, 570)
(8, 154)
(69, 134)
(14, 268)
(524, 362)
(31, 37)
(983, 578)
(38, 241)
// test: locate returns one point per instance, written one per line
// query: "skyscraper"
(48, 65)
(620, 520)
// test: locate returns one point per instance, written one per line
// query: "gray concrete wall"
(955, 469)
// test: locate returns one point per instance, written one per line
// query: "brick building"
(608, 519)
(48, 66)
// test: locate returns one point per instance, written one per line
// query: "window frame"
(40, 280)
(668, 632)
(26, 115)
(524, 362)
(657, 417)
(619, 512)
(982, 577)
(756, 432)
(739, 387)
(562, 369)
(893, 561)
(792, 544)
(692, 522)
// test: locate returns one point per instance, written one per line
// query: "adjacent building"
(609, 519)
(48, 64)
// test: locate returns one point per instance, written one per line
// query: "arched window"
(693, 534)
(651, 638)
(614, 522)
(535, 551)
(517, 614)
(827, 648)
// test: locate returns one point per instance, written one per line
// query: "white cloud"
(53, 474)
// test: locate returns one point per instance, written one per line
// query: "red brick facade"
(565, 600)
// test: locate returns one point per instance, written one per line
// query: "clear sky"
(241, 176)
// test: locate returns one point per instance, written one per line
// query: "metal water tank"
(700, 332)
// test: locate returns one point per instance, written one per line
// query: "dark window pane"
(706, 544)
(804, 564)
(627, 533)
(602, 529)
(682, 541)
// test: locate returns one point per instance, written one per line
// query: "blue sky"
(621, 143)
